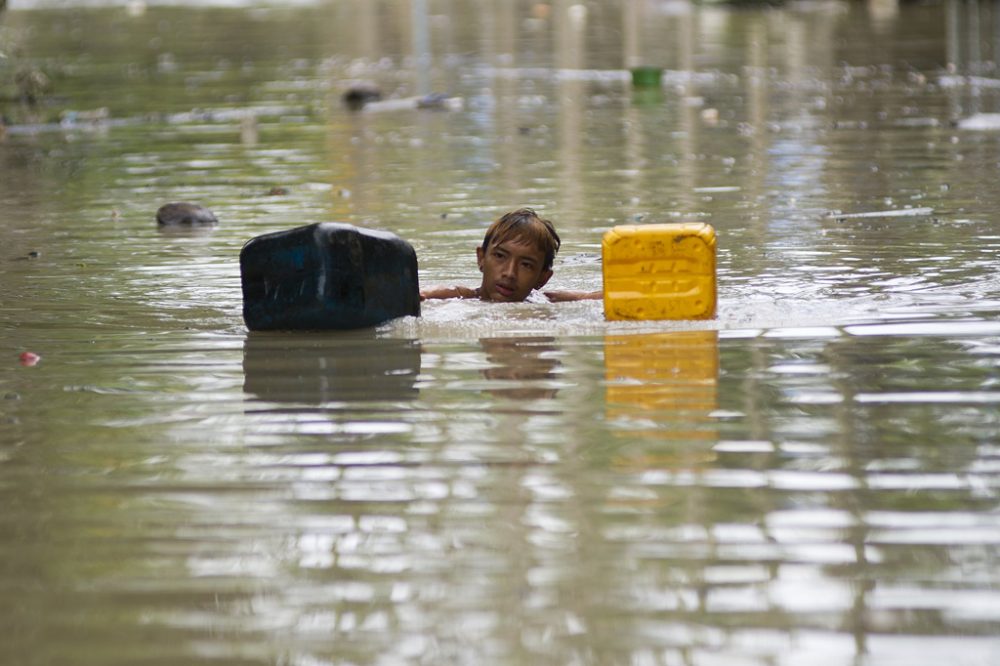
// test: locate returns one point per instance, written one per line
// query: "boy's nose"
(510, 268)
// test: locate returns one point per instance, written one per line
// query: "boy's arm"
(561, 296)
(448, 292)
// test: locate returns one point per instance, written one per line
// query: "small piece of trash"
(721, 188)
(29, 359)
(434, 101)
(980, 121)
(902, 212)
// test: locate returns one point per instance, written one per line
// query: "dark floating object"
(360, 94)
(184, 215)
(434, 101)
(327, 276)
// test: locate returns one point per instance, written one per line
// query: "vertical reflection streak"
(570, 28)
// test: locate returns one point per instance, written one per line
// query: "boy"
(515, 258)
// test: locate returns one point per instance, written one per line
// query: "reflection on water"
(320, 368)
(663, 371)
(518, 363)
(812, 478)
(661, 393)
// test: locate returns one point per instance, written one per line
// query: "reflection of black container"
(346, 367)
(327, 275)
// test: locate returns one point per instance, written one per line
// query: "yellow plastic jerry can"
(659, 271)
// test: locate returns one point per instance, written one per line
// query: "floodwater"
(811, 478)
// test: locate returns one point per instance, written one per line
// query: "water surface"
(812, 477)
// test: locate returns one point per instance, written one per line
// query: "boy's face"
(511, 269)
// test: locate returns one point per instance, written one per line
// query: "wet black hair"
(527, 224)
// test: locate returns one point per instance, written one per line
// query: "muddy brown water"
(811, 478)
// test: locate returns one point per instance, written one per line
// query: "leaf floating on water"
(901, 212)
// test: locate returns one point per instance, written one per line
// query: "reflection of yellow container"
(659, 271)
(670, 372)
(660, 393)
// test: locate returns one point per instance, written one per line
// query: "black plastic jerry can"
(327, 276)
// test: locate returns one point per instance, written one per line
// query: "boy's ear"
(543, 278)
(480, 254)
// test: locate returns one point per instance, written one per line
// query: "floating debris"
(917, 122)
(718, 189)
(361, 93)
(233, 114)
(431, 101)
(850, 124)
(647, 76)
(100, 119)
(955, 81)
(72, 119)
(439, 101)
(667, 77)
(28, 359)
(980, 122)
(182, 214)
(902, 212)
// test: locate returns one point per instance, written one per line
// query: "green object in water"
(646, 76)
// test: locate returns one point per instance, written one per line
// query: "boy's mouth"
(504, 290)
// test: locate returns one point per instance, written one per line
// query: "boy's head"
(516, 255)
